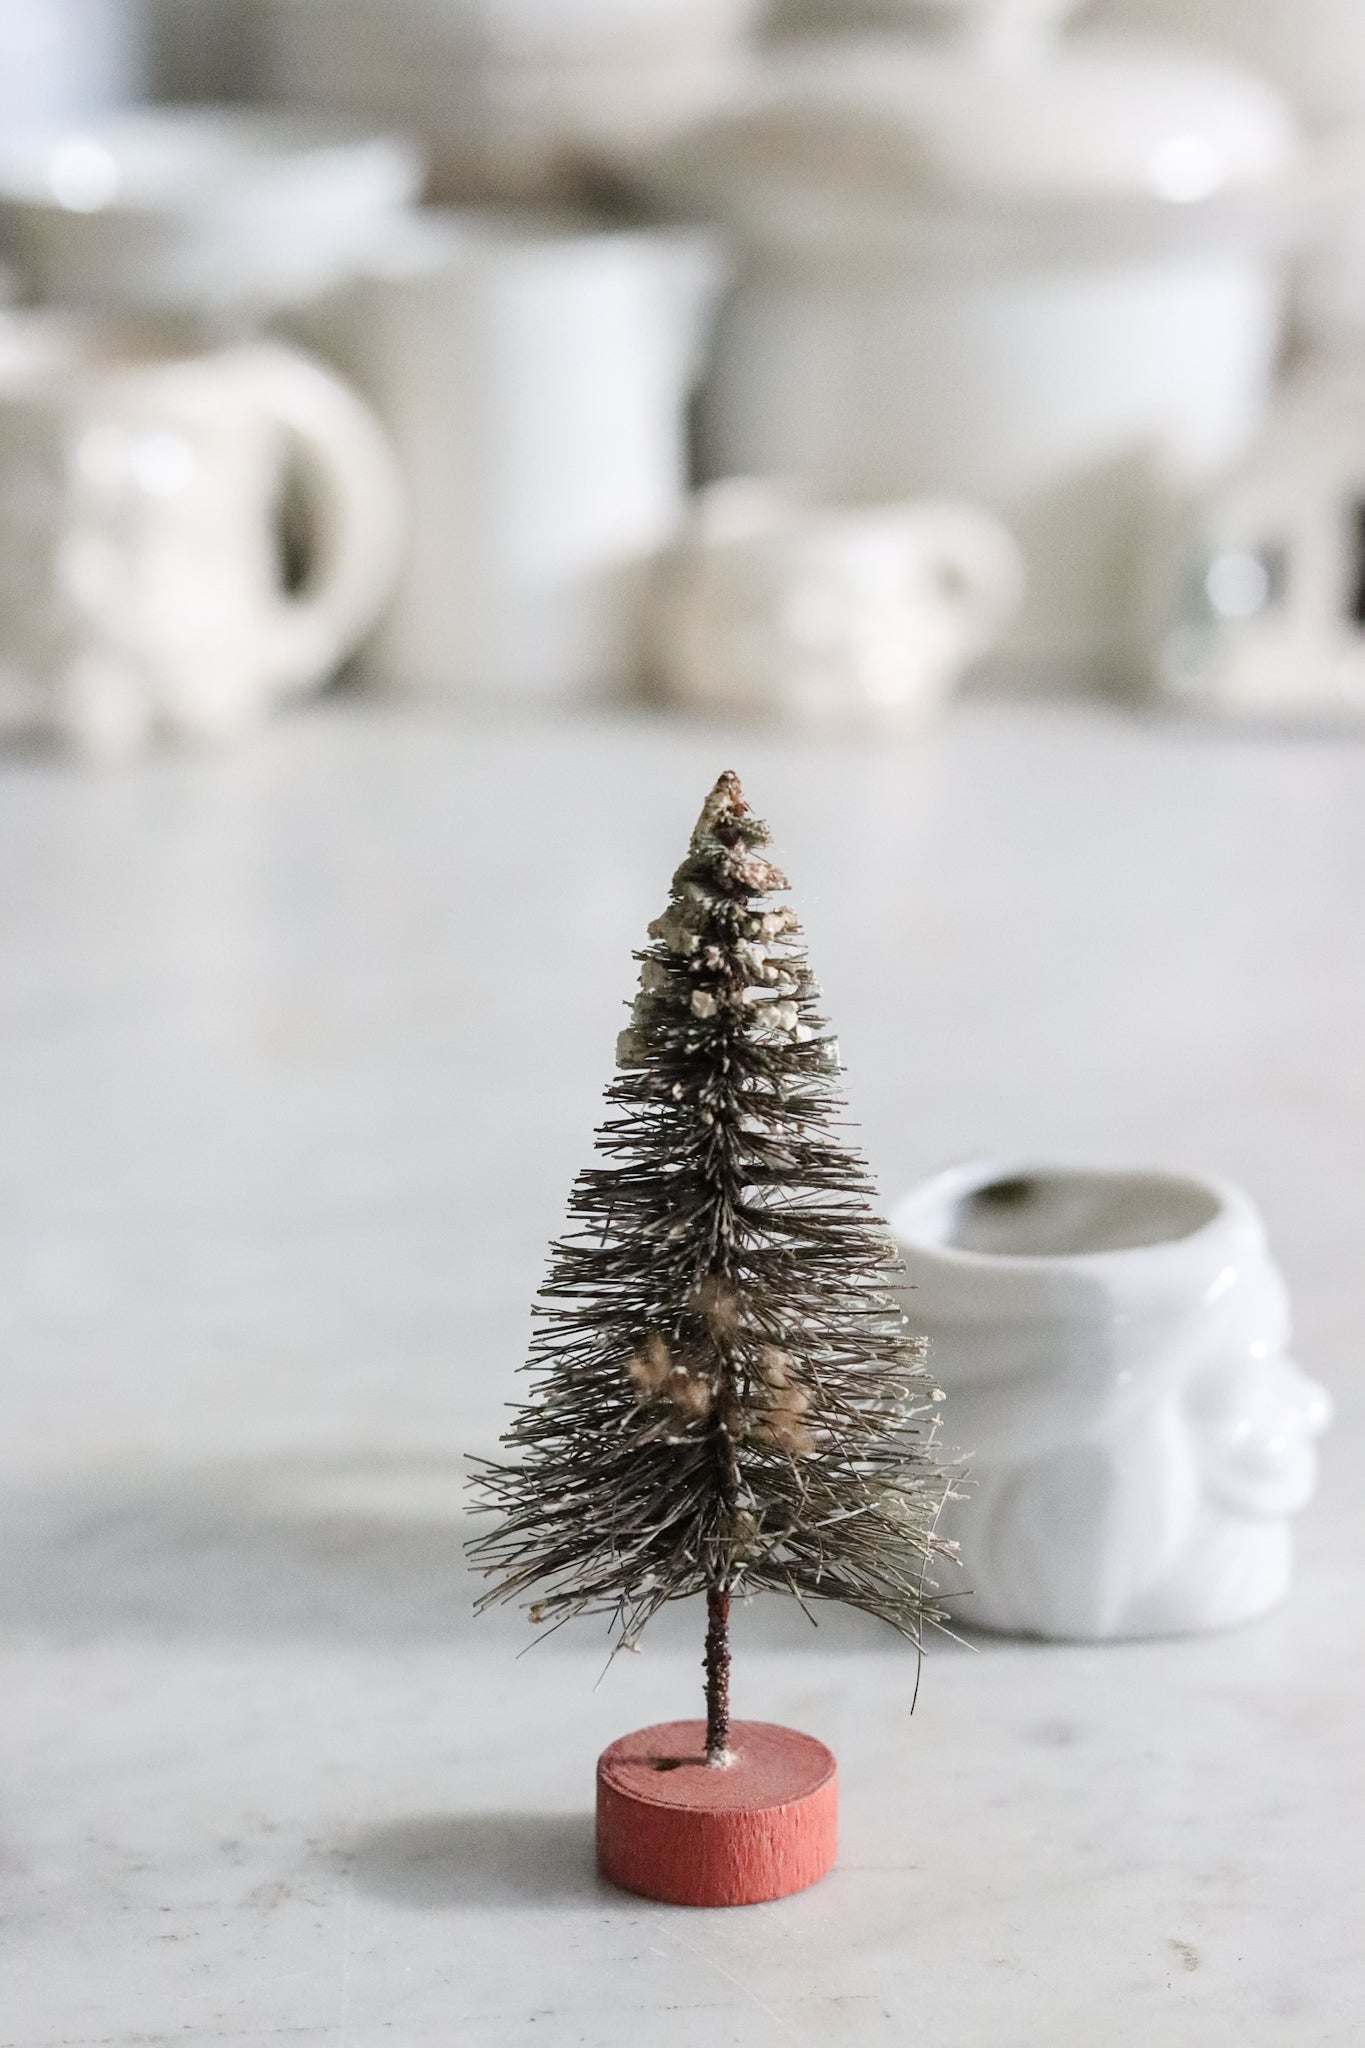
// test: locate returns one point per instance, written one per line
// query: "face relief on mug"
(142, 588)
(1115, 1354)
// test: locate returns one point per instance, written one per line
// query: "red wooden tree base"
(671, 1827)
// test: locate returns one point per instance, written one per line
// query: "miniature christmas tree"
(727, 1397)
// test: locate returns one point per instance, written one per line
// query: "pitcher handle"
(354, 498)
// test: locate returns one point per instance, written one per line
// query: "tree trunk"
(717, 1676)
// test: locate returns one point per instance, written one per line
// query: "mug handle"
(354, 499)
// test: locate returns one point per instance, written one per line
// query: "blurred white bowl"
(198, 209)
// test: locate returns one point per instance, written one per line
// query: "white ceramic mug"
(1114, 1351)
(142, 591)
(775, 603)
(534, 376)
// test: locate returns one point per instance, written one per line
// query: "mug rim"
(1225, 1205)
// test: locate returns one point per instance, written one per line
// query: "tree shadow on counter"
(341, 1547)
(317, 1548)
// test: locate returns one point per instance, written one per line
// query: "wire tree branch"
(726, 1397)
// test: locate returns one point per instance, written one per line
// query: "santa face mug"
(143, 581)
(1114, 1350)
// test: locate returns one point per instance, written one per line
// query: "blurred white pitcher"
(534, 377)
(142, 582)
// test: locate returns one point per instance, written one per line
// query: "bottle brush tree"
(726, 1396)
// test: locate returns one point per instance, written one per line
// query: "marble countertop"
(299, 1051)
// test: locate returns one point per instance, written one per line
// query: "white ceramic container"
(60, 59)
(534, 378)
(513, 99)
(1114, 1350)
(774, 604)
(1047, 279)
(1314, 51)
(143, 586)
(198, 210)
(1263, 613)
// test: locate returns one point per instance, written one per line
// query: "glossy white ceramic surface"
(142, 581)
(1114, 1348)
(774, 604)
(534, 376)
(191, 209)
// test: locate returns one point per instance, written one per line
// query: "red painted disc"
(674, 1828)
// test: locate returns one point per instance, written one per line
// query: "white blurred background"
(791, 363)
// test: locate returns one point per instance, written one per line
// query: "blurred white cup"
(198, 209)
(776, 604)
(143, 587)
(534, 378)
